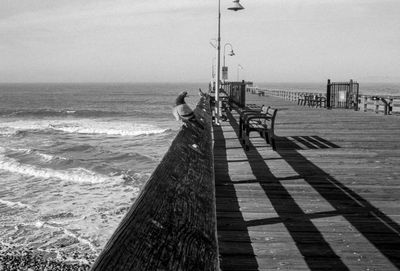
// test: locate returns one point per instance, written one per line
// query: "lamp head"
(231, 53)
(236, 6)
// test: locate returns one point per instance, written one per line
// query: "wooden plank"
(330, 189)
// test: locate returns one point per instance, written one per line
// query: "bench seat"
(262, 122)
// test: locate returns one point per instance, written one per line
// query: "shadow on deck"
(380, 230)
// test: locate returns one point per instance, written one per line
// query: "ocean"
(73, 158)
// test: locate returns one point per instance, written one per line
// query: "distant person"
(183, 112)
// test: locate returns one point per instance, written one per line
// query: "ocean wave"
(59, 113)
(44, 157)
(74, 175)
(42, 224)
(16, 204)
(82, 126)
(57, 227)
(122, 129)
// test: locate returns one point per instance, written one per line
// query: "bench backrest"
(267, 113)
(271, 112)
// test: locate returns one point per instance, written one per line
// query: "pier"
(328, 197)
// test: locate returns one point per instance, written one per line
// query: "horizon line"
(188, 82)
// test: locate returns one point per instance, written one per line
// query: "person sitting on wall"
(183, 112)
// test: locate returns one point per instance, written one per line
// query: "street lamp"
(236, 6)
(231, 53)
(238, 67)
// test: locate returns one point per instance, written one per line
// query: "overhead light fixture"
(236, 6)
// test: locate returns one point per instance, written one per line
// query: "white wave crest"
(75, 175)
(39, 224)
(81, 126)
(44, 157)
(16, 204)
(80, 239)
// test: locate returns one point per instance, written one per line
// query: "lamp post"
(223, 65)
(213, 64)
(236, 6)
(212, 82)
(238, 67)
(231, 52)
(213, 68)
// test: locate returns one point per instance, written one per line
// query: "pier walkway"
(327, 199)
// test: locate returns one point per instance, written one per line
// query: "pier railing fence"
(172, 224)
(339, 95)
(342, 94)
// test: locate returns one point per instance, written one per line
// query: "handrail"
(172, 224)
(388, 104)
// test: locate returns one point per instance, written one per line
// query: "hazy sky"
(168, 41)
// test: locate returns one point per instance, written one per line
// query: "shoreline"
(12, 258)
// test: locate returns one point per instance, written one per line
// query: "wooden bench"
(312, 100)
(301, 99)
(262, 122)
(249, 109)
(318, 101)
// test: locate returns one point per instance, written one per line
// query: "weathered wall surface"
(171, 226)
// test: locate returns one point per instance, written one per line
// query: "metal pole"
(217, 105)
(223, 63)
(212, 74)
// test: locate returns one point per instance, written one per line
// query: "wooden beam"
(171, 226)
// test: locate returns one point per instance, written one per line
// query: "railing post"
(328, 95)
(376, 103)
(365, 103)
(390, 106)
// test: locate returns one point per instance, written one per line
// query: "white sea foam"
(80, 239)
(75, 175)
(4, 131)
(42, 224)
(16, 204)
(44, 157)
(81, 126)
(39, 224)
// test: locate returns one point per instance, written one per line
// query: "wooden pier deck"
(327, 199)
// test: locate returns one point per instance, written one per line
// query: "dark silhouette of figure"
(183, 112)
